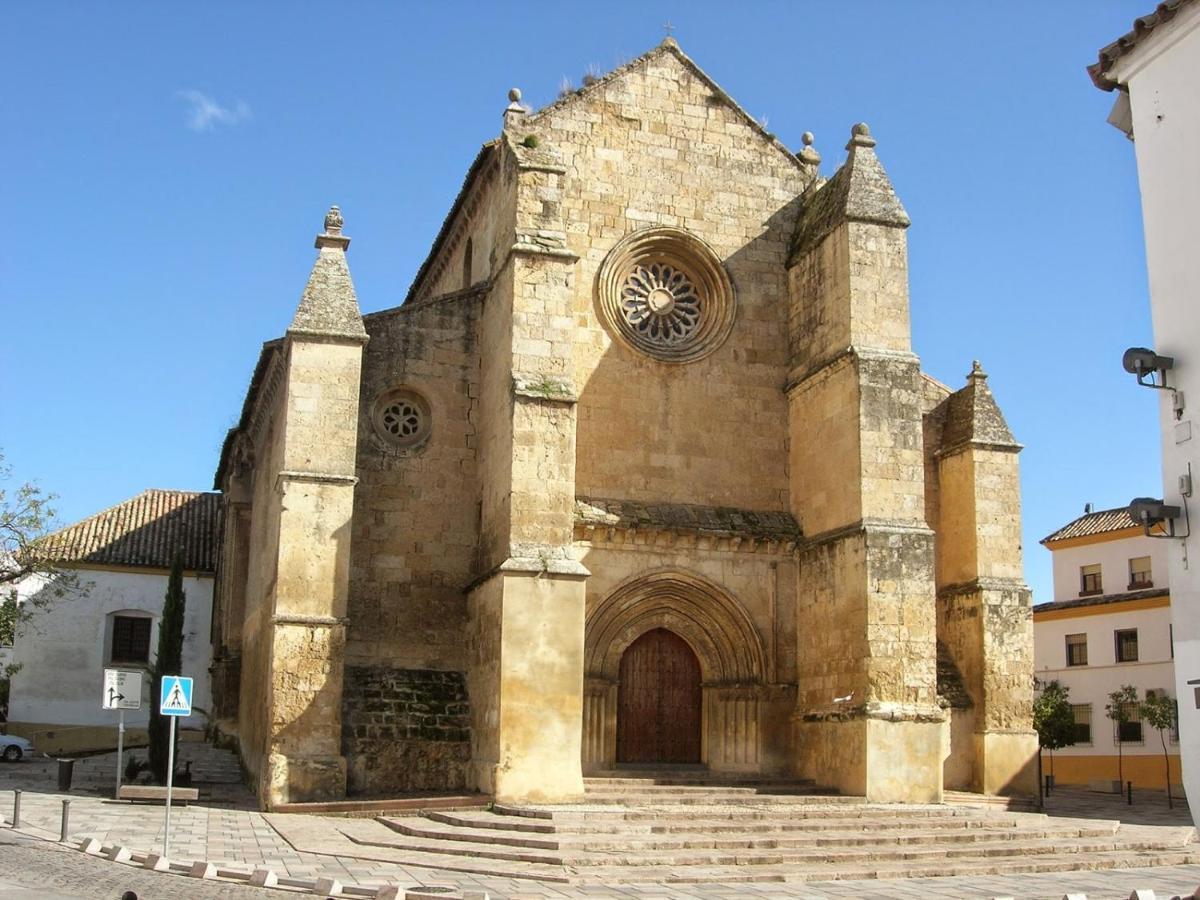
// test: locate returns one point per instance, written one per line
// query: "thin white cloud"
(206, 113)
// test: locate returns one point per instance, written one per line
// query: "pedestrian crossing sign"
(175, 698)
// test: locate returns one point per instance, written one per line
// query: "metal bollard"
(66, 820)
(1129, 792)
(16, 809)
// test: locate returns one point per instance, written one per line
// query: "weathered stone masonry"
(655, 373)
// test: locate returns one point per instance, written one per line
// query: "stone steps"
(857, 820)
(864, 854)
(695, 836)
(638, 830)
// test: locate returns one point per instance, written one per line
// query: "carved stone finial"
(332, 235)
(977, 373)
(334, 221)
(860, 136)
(809, 155)
(514, 95)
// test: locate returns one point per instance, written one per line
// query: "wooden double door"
(658, 701)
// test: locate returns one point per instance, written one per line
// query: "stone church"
(643, 470)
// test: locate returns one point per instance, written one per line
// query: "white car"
(12, 748)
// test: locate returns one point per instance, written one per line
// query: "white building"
(1156, 69)
(123, 557)
(1108, 626)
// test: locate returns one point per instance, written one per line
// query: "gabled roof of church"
(973, 417)
(478, 165)
(860, 191)
(144, 532)
(668, 46)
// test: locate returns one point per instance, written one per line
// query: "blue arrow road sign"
(175, 698)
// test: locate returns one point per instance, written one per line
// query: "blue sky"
(167, 165)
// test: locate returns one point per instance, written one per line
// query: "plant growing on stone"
(169, 661)
(1053, 719)
(1119, 708)
(1162, 712)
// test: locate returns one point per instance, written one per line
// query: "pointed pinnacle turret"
(329, 306)
(974, 417)
(860, 191)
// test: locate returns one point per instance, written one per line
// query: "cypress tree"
(169, 661)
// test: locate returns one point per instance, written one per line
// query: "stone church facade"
(643, 470)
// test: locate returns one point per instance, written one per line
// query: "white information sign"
(176, 696)
(122, 689)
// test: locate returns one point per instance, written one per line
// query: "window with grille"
(131, 639)
(1076, 649)
(1089, 579)
(1130, 732)
(1139, 573)
(1083, 722)
(1126, 641)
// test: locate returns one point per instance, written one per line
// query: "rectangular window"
(1089, 579)
(1076, 649)
(1083, 722)
(131, 639)
(1130, 732)
(1126, 643)
(1139, 573)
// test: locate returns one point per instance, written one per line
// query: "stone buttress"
(526, 609)
(288, 472)
(867, 719)
(984, 613)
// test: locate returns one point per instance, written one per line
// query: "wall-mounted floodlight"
(1148, 512)
(1146, 364)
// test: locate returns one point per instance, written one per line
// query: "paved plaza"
(224, 828)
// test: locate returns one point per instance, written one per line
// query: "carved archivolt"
(664, 292)
(713, 623)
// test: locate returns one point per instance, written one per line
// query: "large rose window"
(664, 292)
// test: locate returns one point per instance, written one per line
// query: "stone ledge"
(633, 523)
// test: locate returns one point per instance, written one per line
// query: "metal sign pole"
(170, 779)
(120, 747)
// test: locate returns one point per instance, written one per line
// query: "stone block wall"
(658, 146)
(405, 730)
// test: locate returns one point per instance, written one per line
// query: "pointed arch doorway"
(659, 701)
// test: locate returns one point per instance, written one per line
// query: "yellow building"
(1108, 626)
(644, 470)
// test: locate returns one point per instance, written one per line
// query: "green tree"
(168, 661)
(28, 559)
(1162, 712)
(1121, 704)
(1053, 719)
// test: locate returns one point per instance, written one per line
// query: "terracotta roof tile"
(1142, 26)
(144, 532)
(1147, 594)
(1099, 522)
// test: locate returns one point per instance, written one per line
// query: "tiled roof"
(1094, 523)
(1142, 26)
(145, 532)
(1148, 594)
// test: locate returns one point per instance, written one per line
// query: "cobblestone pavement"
(225, 829)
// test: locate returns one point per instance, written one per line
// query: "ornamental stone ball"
(861, 130)
(807, 138)
(514, 95)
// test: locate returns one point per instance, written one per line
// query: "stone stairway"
(683, 827)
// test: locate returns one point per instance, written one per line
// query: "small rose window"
(402, 418)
